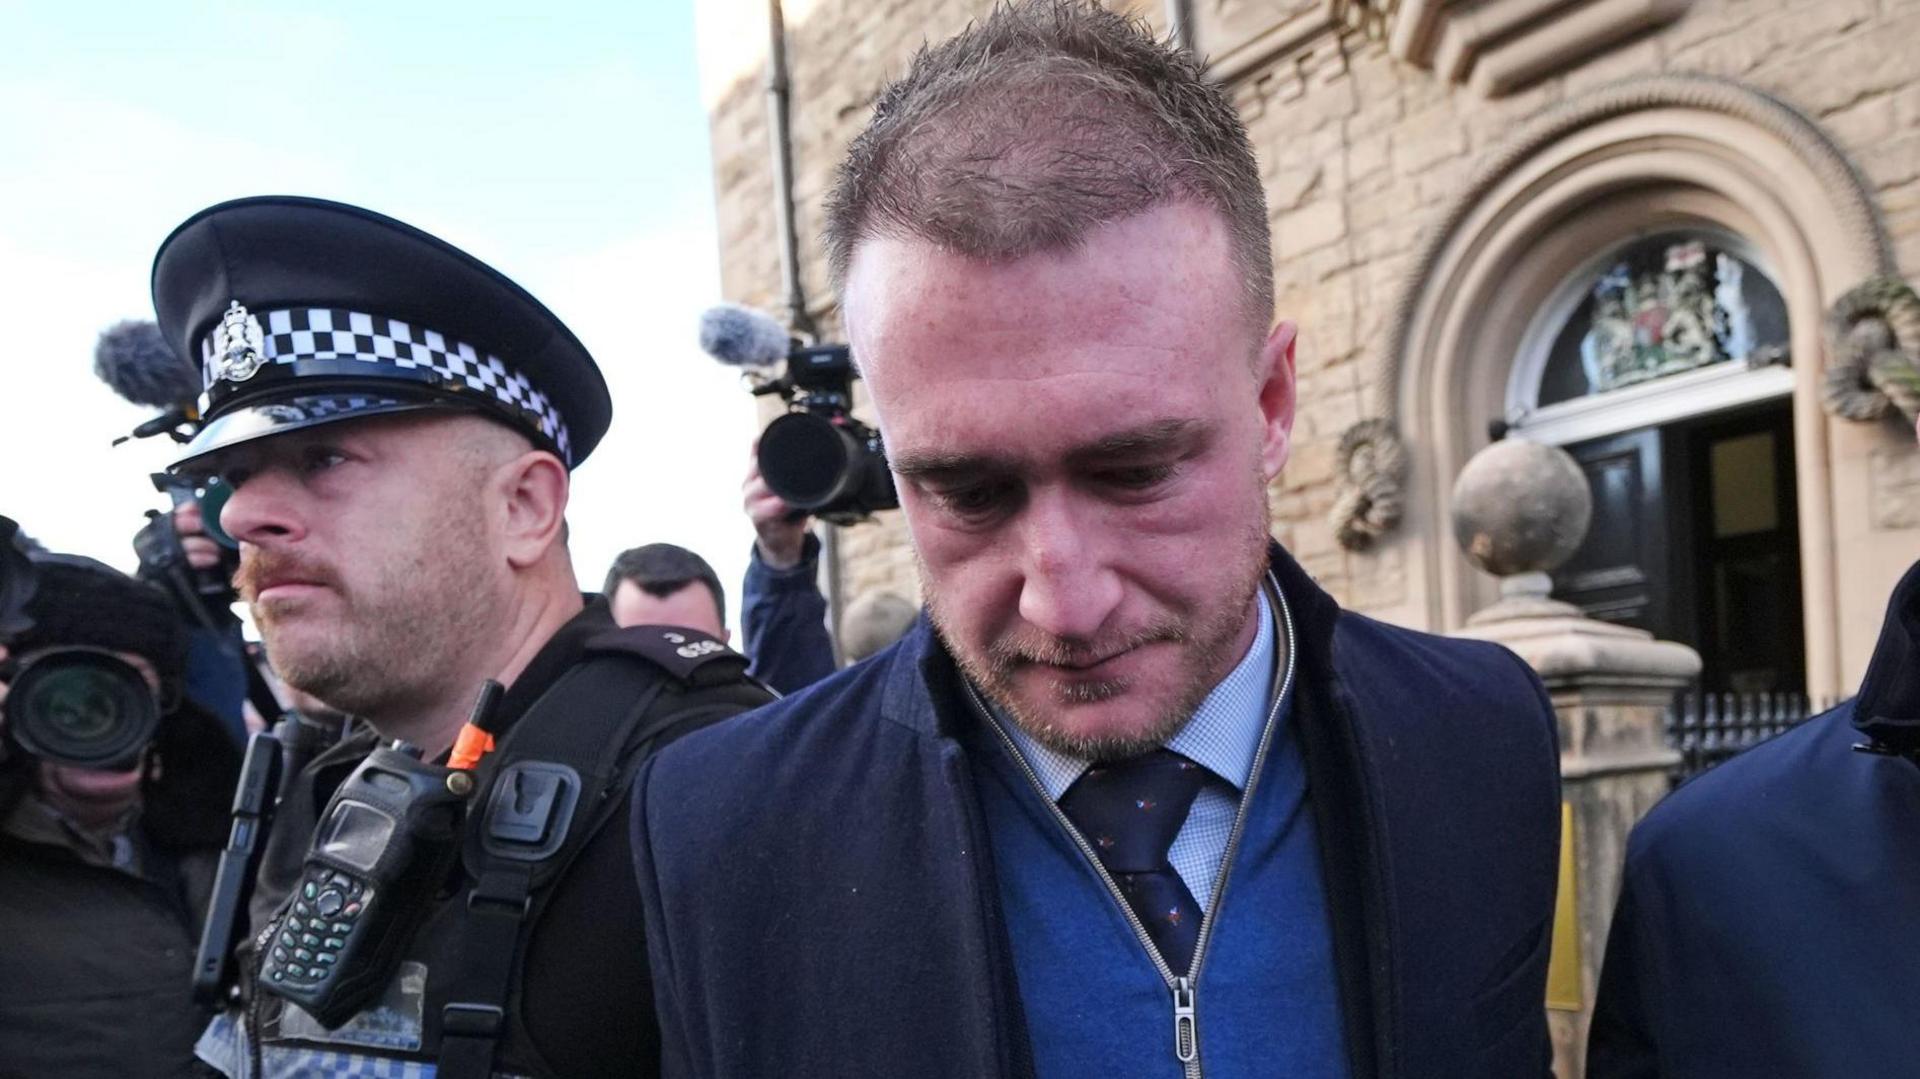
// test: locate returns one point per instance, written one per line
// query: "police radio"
(384, 847)
(382, 851)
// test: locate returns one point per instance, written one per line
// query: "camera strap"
(557, 773)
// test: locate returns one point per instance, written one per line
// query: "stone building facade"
(1620, 226)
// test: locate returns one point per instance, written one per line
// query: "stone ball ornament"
(1521, 507)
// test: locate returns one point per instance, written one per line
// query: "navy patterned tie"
(1130, 811)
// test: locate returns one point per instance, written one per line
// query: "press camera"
(816, 456)
(82, 707)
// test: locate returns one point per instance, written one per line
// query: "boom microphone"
(135, 362)
(742, 337)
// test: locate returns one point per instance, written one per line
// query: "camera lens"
(213, 498)
(805, 460)
(83, 708)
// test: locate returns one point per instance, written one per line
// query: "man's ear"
(1277, 398)
(535, 485)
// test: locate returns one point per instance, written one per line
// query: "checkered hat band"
(319, 333)
(320, 406)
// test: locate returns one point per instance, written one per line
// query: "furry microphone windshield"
(135, 362)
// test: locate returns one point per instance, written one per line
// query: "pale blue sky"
(566, 147)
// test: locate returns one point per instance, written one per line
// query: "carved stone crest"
(1652, 324)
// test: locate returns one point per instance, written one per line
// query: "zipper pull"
(1185, 1043)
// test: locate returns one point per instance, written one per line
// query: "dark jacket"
(1769, 916)
(96, 953)
(783, 622)
(96, 958)
(820, 898)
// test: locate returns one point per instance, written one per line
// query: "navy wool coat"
(1769, 917)
(821, 900)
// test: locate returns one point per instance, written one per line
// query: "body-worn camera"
(384, 846)
(817, 457)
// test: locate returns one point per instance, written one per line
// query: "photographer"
(816, 459)
(177, 553)
(112, 815)
(783, 616)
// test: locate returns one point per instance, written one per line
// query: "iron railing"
(1709, 728)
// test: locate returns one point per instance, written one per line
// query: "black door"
(1622, 572)
(1743, 546)
(1695, 538)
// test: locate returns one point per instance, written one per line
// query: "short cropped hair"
(873, 622)
(1038, 124)
(661, 569)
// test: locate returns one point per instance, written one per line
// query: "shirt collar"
(1222, 736)
(1225, 730)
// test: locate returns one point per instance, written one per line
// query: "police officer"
(398, 422)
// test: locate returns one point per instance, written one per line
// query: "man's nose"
(1068, 589)
(263, 511)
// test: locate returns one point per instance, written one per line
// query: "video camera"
(200, 592)
(71, 705)
(817, 457)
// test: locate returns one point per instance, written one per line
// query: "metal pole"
(1180, 23)
(779, 133)
(799, 318)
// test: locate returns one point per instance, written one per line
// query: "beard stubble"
(1203, 639)
(392, 639)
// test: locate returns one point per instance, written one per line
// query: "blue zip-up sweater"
(1085, 976)
(821, 897)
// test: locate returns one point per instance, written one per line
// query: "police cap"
(301, 312)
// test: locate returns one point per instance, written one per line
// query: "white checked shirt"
(1222, 737)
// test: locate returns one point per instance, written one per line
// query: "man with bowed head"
(1141, 800)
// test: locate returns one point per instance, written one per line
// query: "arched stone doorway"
(1672, 154)
(1663, 367)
